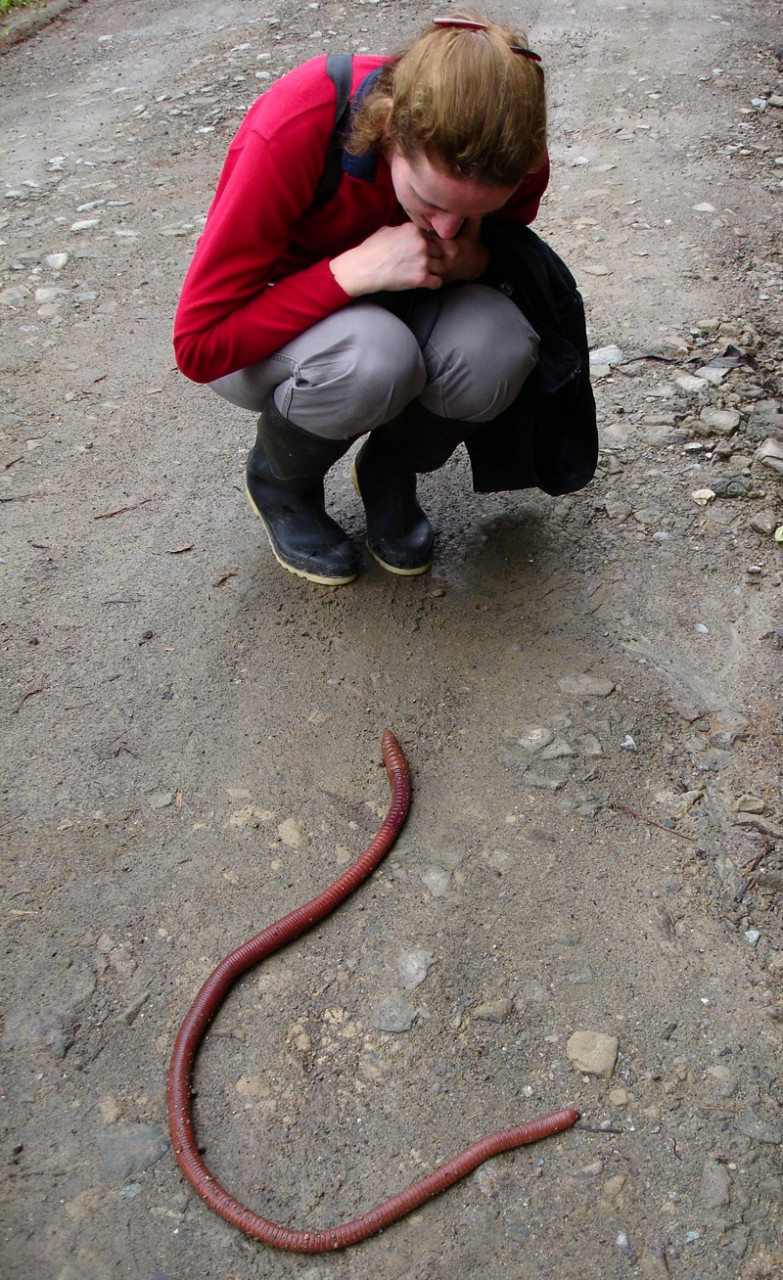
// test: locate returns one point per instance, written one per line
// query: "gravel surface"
(583, 909)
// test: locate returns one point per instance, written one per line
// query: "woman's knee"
(486, 350)
(367, 369)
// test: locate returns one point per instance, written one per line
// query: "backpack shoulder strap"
(339, 68)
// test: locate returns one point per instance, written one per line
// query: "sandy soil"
(587, 689)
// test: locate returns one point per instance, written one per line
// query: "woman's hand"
(408, 257)
(464, 257)
(394, 258)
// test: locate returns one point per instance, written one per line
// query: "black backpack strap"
(339, 68)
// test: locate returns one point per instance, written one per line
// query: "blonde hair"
(463, 98)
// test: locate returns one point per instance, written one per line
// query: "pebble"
(585, 686)
(751, 804)
(535, 738)
(110, 1110)
(770, 453)
(606, 356)
(760, 1130)
(722, 422)
(414, 965)
(127, 1151)
(51, 1030)
(394, 1014)
(711, 375)
(559, 749)
(291, 834)
(13, 296)
(688, 382)
(534, 991)
(54, 1030)
(494, 1010)
(512, 762)
(732, 486)
(56, 261)
(593, 1053)
(161, 799)
(592, 1170)
(715, 1186)
(654, 1265)
(437, 881)
(765, 418)
(764, 522)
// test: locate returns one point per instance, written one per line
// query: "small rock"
(764, 522)
(770, 453)
(715, 1186)
(654, 1265)
(291, 833)
(437, 881)
(535, 737)
(592, 1170)
(613, 1186)
(53, 1030)
(606, 356)
(714, 377)
(414, 965)
(394, 1014)
(758, 1129)
(512, 763)
(619, 1097)
(625, 1247)
(129, 1150)
(702, 496)
(110, 1110)
(542, 783)
(722, 422)
(534, 992)
(732, 486)
(765, 420)
(161, 799)
(671, 345)
(494, 1010)
(593, 1053)
(13, 296)
(751, 804)
(56, 261)
(687, 382)
(585, 686)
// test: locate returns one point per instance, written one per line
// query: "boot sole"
(320, 579)
(390, 568)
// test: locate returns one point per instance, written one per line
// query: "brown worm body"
(212, 995)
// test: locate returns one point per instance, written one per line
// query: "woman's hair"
(463, 98)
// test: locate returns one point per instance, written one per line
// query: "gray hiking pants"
(463, 352)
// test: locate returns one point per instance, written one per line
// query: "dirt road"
(588, 690)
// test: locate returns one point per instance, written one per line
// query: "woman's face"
(439, 203)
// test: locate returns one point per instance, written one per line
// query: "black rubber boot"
(285, 474)
(399, 534)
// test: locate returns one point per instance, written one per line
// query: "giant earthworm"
(212, 995)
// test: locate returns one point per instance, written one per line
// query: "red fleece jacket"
(260, 274)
